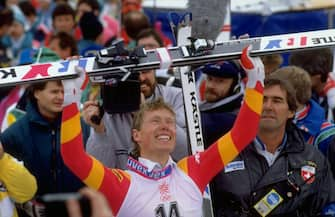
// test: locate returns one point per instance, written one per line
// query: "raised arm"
(111, 182)
(20, 184)
(203, 166)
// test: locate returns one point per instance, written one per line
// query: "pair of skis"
(180, 56)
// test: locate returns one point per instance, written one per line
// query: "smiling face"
(157, 134)
(276, 110)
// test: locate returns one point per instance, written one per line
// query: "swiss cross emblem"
(308, 173)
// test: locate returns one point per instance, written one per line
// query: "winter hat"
(225, 69)
(90, 26)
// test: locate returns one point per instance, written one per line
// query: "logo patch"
(233, 166)
(308, 173)
(268, 203)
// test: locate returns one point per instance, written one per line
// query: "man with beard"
(220, 93)
(110, 141)
(278, 174)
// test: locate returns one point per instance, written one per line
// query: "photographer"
(110, 141)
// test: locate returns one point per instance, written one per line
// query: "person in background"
(310, 116)
(111, 26)
(278, 174)
(149, 38)
(63, 18)
(44, 13)
(17, 185)
(132, 24)
(220, 94)
(18, 37)
(91, 41)
(38, 143)
(64, 45)
(318, 63)
(272, 62)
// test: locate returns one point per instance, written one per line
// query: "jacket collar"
(150, 169)
(295, 141)
(310, 118)
(35, 116)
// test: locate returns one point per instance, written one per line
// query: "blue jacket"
(316, 129)
(36, 142)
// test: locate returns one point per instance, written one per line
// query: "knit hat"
(90, 26)
(225, 69)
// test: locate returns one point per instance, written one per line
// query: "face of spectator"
(62, 53)
(50, 99)
(4, 30)
(148, 43)
(147, 78)
(16, 30)
(64, 23)
(217, 88)
(157, 134)
(275, 111)
(148, 82)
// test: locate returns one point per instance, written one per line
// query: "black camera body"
(121, 96)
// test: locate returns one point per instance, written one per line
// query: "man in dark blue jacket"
(35, 139)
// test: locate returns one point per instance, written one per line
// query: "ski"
(182, 28)
(119, 64)
(191, 54)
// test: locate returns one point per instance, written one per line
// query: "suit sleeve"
(112, 183)
(203, 166)
(20, 184)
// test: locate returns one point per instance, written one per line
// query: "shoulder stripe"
(182, 164)
(253, 99)
(96, 175)
(70, 128)
(228, 151)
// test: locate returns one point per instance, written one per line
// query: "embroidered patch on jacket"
(308, 173)
(233, 166)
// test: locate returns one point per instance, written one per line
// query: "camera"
(121, 96)
(55, 204)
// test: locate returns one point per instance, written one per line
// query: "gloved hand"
(73, 88)
(329, 90)
(254, 68)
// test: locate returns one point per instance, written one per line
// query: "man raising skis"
(154, 185)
